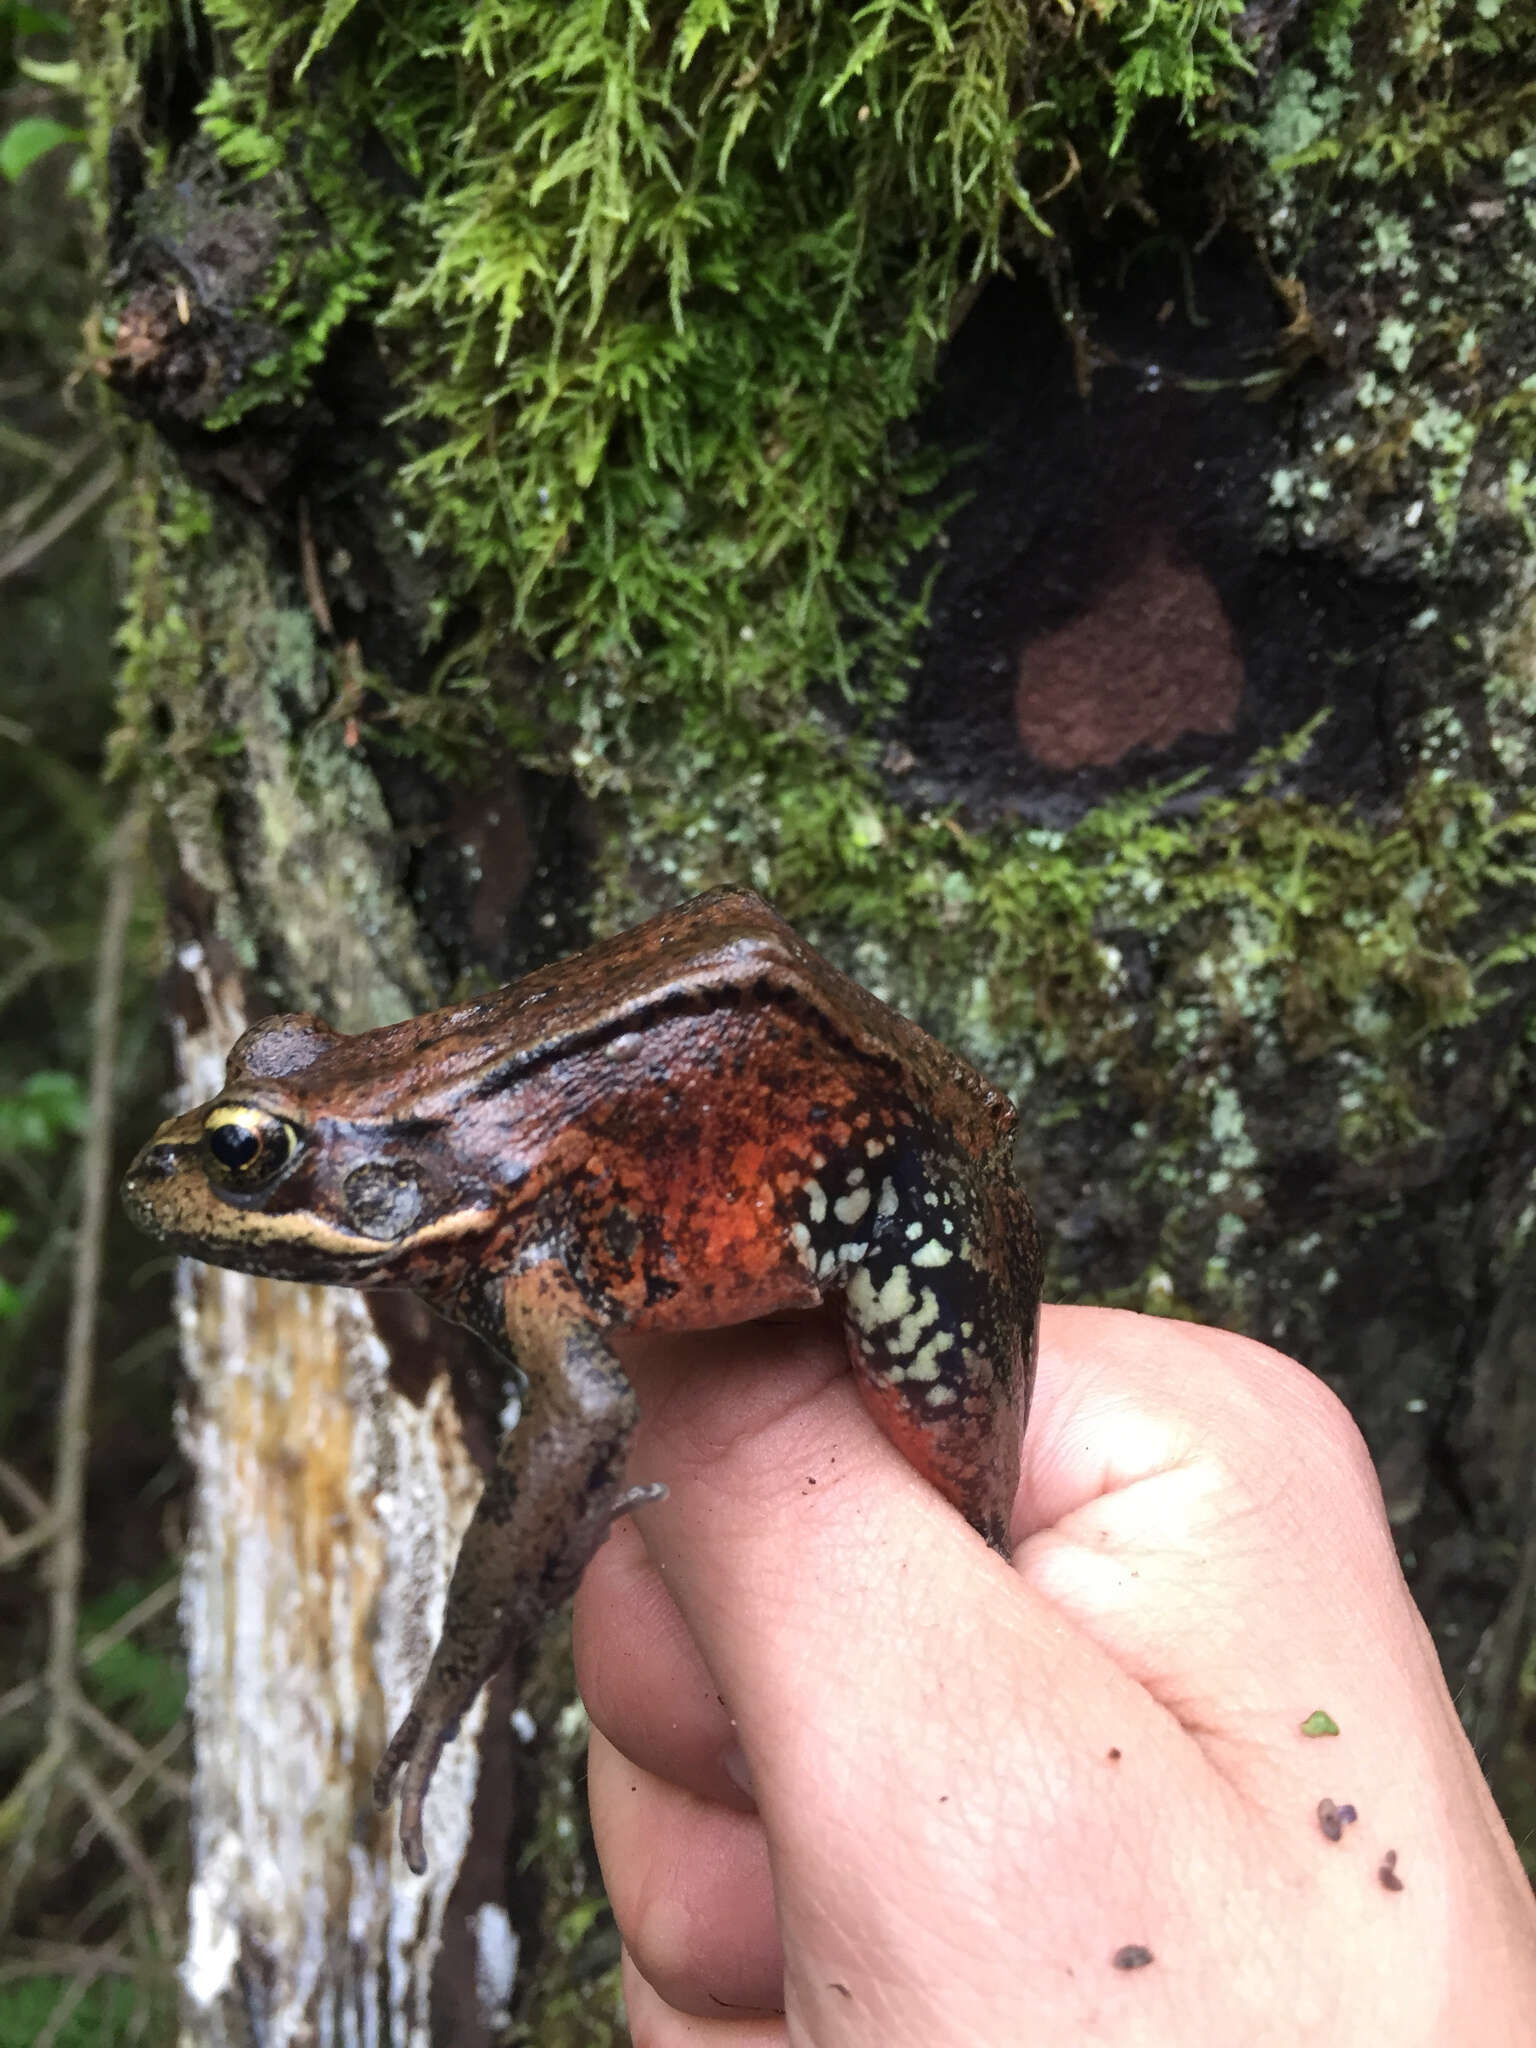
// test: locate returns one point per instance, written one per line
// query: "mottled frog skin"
(687, 1126)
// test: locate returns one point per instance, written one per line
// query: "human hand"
(972, 1787)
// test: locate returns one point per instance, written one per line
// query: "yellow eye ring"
(245, 1147)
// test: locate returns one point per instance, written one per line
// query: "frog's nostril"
(155, 1162)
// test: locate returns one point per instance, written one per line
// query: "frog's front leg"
(556, 1487)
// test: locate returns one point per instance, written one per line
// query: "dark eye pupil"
(234, 1145)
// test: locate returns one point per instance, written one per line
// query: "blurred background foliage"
(78, 1963)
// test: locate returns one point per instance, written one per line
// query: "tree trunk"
(1047, 501)
(335, 1443)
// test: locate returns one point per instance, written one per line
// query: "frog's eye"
(245, 1147)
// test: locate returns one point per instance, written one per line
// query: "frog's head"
(274, 1176)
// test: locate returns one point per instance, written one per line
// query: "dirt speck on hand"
(1333, 1820)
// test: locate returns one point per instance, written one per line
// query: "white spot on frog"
(925, 1366)
(887, 1205)
(914, 1324)
(870, 1309)
(816, 1195)
(849, 1208)
(932, 1254)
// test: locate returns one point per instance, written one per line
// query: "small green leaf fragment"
(1319, 1723)
(25, 141)
(64, 76)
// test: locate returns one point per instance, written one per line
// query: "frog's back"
(731, 945)
(727, 951)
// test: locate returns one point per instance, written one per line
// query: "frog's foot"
(414, 1748)
(449, 1689)
(637, 1497)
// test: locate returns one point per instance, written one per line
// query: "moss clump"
(660, 286)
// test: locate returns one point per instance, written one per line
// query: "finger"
(643, 1680)
(655, 2024)
(1230, 1478)
(1200, 1489)
(690, 1890)
(1220, 1533)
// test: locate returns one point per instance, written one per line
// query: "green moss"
(661, 286)
(273, 813)
(1278, 923)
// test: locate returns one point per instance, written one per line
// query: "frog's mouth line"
(167, 1194)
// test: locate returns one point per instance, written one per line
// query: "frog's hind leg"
(940, 1318)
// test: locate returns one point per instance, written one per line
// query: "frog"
(692, 1124)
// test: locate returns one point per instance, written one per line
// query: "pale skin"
(940, 1847)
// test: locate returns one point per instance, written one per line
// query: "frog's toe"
(637, 1497)
(390, 1764)
(414, 1749)
(418, 1776)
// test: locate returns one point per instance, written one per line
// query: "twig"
(16, 515)
(309, 568)
(36, 949)
(17, 441)
(69, 2000)
(40, 1517)
(122, 1744)
(70, 513)
(14, 1548)
(22, 1491)
(27, 1807)
(150, 1769)
(123, 1840)
(95, 1646)
(52, 1958)
(112, 1893)
(80, 1341)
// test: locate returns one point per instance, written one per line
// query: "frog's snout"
(153, 1166)
(155, 1162)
